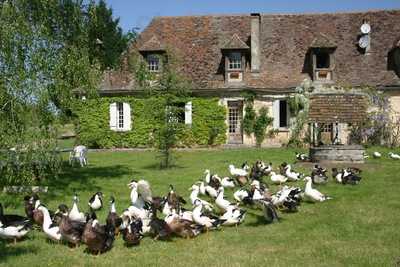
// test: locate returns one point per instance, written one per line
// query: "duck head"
(307, 178)
(194, 187)
(75, 198)
(171, 188)
(132, 184)
(62, 209)
(197, 203)
(112, 200)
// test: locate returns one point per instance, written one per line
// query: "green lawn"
(359, 227)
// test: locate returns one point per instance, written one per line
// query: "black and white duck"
(288, 198)
(233, 216)
(13, 226)
(70, 230)
(302, 157)
(318, 175)
(208, 221)
(132, 232)
(98, 238)
(96, 201)
(113, 219)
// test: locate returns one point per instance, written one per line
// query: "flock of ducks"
(378, 155)
(211, 208)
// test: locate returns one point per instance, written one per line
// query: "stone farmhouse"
(270, 55)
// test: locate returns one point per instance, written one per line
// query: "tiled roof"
(284, 43)
(152, 45)
(322, 41)
(343, 108)
(235, 43)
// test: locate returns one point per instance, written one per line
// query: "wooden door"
(235, 113)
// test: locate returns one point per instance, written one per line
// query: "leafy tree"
(44, 57)
(106, 39)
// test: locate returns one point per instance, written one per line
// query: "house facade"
(269, 55)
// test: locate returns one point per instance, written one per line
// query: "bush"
(92, 123)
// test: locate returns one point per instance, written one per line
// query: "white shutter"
(127, 117)
(188, 113)
(113, 116)
(275, 113)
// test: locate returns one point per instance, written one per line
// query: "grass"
(359, 227)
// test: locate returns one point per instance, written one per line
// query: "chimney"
(255, 42)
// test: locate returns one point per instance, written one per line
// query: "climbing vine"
(299, 107)
(260, 126)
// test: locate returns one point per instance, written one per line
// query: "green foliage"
(93, 129)
(106, 39)
(261, 124)
(249, 118)
(43, 59)
(299, 107)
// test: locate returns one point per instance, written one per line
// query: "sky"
(138, 13)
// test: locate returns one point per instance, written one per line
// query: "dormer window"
(322, 51)
(235, 61)
(323, 64)
(153, 63)
(233, 51)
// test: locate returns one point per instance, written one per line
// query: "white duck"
(201, 219)
(278, 178)
(240, 194)
(211, 191)
(377, 155)
(227, 182)
(313, 194)
(136, 199)
(195, 195)
(233, 216)
(75, 214)
(394, 156)
(222, 203)
(291, 175)
(237, 172)
(202, 188)
(49, 228)
(207, 178)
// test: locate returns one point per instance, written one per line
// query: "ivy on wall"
(92, 124)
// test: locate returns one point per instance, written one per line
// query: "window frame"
(120, 116)
(153, 63)
(235, 61)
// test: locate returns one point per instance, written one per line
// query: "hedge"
(92, 124)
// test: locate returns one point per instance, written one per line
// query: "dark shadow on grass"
(83, 179)
(157, 167)
(260, 220)
(8, 250)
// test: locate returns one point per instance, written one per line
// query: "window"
(235, 61)
(322, 60)
(280, 111)
(120, 117)
(153, 63)
(327, 127)
(283, 123)
(180, 113)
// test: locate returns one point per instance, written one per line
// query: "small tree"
(260, 126)
(171, 88)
